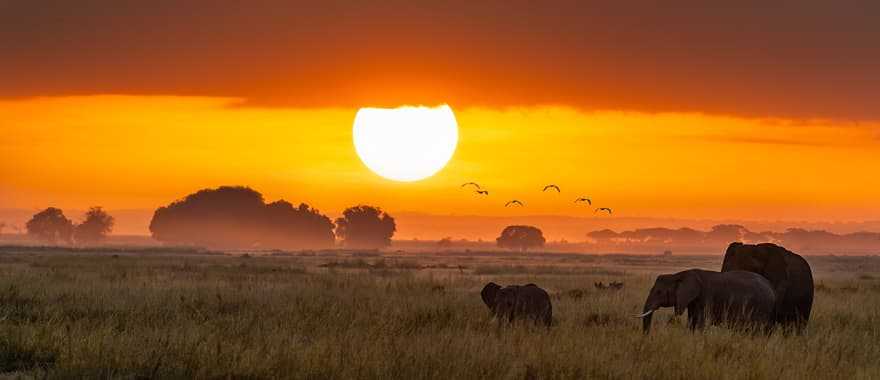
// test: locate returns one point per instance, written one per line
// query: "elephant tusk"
(645, 314)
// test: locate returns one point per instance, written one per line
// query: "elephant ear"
(730, 257)
(489, 294)
(775, 265)
(688, 289)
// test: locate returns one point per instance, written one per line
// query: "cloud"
(789, 59)
(768, 141)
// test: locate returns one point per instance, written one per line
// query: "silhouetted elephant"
(518, 302)
(787, 271)
(737, 297)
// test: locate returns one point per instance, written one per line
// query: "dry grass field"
(184, 314)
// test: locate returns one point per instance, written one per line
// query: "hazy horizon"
(427, 226)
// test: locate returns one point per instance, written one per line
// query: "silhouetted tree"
(50, 225)
(521, 238)
(237, 217)
(445, 243)
(365, 227)
(94, 228)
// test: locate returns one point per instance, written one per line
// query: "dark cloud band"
(755, 58)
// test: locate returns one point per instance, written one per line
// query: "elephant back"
(534, 302)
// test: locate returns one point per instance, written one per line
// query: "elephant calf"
(736, 297)
(518, 302)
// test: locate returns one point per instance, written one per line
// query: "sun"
(406, 143)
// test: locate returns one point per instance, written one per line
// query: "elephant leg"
(697, 323)
(696, 318)
(783, 314)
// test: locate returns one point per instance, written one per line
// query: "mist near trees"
(95, 228)
(718, 237)
(229, 217)
(53, 227)
(237, 217)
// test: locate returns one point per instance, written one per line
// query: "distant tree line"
(227, 217)
(51, 226)
(687, 239)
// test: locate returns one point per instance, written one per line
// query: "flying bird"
(603, 209)
(483, 192)
(513, 202)
(584, 199)
(552, 187)
(472, 184)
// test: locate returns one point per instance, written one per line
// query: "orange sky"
(741, 110)
(138, 152)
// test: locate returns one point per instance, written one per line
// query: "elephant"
(787, 271)
(518, 302)
(738, 298)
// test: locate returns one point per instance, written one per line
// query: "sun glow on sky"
(141, 152)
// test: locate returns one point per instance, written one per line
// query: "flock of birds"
(479, 190)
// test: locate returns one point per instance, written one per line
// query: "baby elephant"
(518, 302)
(737, 297)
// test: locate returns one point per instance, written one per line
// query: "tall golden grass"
(66, 314)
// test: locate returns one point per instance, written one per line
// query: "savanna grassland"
(184, 314)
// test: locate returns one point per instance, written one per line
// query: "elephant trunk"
(647, 316)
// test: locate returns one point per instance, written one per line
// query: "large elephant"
(738, 298)
(787, 271)
(518, 302)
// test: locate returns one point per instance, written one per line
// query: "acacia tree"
(51, 226)
(521, 238)
(239, 217)
(94, 228)
(365, 227)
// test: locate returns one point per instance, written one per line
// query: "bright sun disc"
(406, 143)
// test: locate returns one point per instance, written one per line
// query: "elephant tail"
(548, 315)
